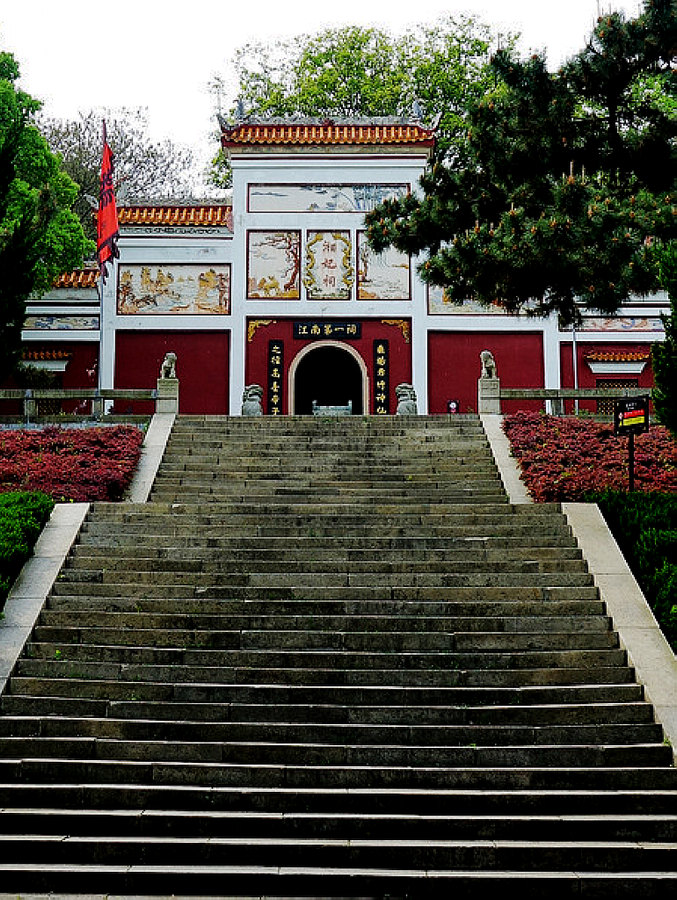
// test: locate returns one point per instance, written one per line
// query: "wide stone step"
(14, 705)
(354, 731)
(478, 789)
(243, 558)
(198, 572)
(67, 593)
(366, 641)
(439, 791)
(557, 750)
(338, 546)
(577, 605)
(329, 853)
(308, 881)
(361, 466)
(486, 515)
(186, 673)
(336, 500)
(360, 699)
(269, 621)
(369, 657)
(144, 823)
(416, 586)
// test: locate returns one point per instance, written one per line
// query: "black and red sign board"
(631, 415)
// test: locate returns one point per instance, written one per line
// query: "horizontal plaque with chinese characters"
(321, 328)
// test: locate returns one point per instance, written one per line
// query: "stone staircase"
(329, 659)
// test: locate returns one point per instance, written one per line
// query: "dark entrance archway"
(329, 375)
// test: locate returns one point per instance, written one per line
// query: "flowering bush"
(565, 457)
(76, 464)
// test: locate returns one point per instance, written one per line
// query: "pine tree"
(563, 183)
(664, 354)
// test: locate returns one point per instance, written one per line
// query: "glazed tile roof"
(80, 278)
(618, 355)
(325, 133)
(200, 215)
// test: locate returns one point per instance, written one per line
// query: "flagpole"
(107, 234)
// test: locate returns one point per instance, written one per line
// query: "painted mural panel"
(329, 272)
(382, 276)
(174, 290)
(273, 265)
(301, 198)
(440, 304)
(61, 323)
(621, 323)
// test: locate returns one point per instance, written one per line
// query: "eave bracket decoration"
(403, 325)
(254, 324)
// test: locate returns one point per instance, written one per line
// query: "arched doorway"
(329, 373)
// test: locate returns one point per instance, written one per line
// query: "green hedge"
(645, 528)
(22, 517)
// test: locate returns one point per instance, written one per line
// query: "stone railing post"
(489, 395)
(97, 406)
(488, 386)
(167, 396)
(168, 386)
(30, 406)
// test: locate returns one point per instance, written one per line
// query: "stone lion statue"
(488, 364)
(406, 400)
(168, 366)
(251, 400)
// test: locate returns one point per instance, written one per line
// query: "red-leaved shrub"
(76, 464)
(563, 457)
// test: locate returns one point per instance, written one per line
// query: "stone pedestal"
(489, 396)
(167, 396)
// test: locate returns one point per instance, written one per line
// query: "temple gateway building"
(282, 290)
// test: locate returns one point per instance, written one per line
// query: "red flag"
(107, 231)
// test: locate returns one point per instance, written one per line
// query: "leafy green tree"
(664, 354)
(40, 236)
(143, 168)
(355, 72)
(563, 180)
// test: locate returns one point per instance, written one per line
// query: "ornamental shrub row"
(565, 457)
(645, 528)
(78, 464)
(22, 517)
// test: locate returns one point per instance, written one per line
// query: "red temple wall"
(454, 366)
(202, 365)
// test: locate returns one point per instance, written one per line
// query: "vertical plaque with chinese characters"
(381, 381)
(329, 273)
(275, 377)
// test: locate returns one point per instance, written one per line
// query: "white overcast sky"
(80, 54)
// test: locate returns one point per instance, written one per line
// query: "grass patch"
(645, 528)
(22, 517)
